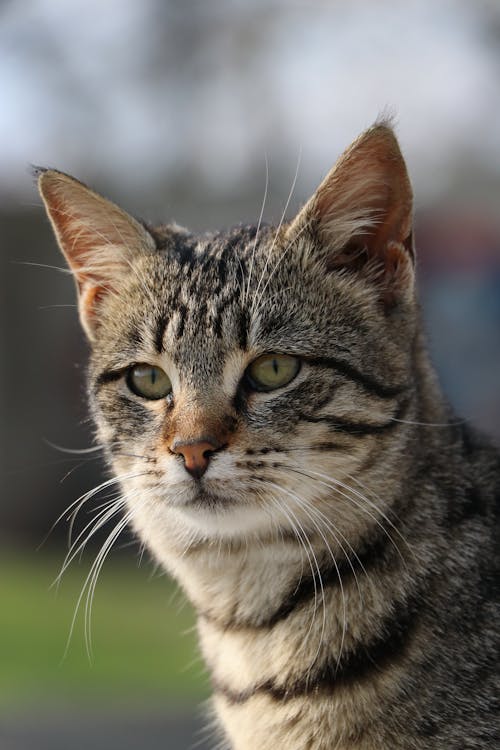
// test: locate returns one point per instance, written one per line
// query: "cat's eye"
(272, 371)
(148, 381)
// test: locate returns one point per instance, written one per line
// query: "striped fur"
(339, 549)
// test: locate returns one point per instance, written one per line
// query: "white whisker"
(335, 531)
(455, 423)
(92, 493)
(302, 535)
(335, 484)
(257, 298)
(258, 303)
(303, 506)
(264, 199)
(94, 575)
(42, 265)
(74, 451)
(92, 528)
(107, 544)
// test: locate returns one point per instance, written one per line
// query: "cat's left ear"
(97, 237)
(360, 218)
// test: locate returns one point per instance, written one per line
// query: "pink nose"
(196, 455)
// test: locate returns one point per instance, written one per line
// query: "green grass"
(144, 646)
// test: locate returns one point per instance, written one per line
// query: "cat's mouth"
(207, 499)
(210, 501)
(219, 509)
(206, 495)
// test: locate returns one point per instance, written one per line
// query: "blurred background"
(171, 109)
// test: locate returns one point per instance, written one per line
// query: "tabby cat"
(265, 399)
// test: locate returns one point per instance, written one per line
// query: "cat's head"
(238, 378)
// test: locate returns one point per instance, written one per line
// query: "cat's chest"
(244, 586)
(315, 724)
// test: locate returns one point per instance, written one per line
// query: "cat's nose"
(196, 455)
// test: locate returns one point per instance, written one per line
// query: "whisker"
(92, 493)
(56, 307)
(336, 534)
(301, 535)
(74, 508)
(106, 546)
(72, 470)
(384, 516)
(105, 514)
(455, 423)
(257, 232)
(93, 526)
(41, 265)
(74, 451)
(94, 575)
(334, 484)
(259, 303)
(76, 505)
(294, 181)
(302, 504)
(282, 510)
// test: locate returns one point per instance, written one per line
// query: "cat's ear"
(97, 238)
(360, 218)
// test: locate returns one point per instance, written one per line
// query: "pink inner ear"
(366, 200)
(98, 239)
(90, 296)
(74, 241)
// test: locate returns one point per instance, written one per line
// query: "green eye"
(272, 371)
(148, 381)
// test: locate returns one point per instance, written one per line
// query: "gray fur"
(340, 549)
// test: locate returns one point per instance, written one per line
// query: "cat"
(265, 399)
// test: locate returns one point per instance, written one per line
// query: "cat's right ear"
(97, 238)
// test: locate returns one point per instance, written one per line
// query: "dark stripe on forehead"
(223, 303)
(243, 325)
(382, 390)
(182, 313)
(178, 244)
(184, 251)
(159, 332)
(161, 324)
(218, 272)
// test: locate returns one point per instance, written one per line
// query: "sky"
(139, 93)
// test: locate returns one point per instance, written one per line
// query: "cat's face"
(236, 379)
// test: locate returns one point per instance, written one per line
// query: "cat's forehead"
(206, 280)
(191, 299)
(211, 250)
(215, 293)
(203, 299)
(209, 283)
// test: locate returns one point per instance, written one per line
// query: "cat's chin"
(219, 518)
(218, 509)
(196, 512)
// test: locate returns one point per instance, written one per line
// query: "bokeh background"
(171, 109)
